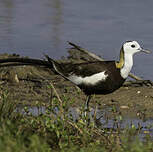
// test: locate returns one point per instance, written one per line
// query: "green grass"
(57, 132)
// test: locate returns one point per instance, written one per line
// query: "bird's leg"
(87, 102)
(86, 108)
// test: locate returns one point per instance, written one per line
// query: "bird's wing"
(79, 71)
(85, 69)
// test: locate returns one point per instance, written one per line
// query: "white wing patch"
(89, 80)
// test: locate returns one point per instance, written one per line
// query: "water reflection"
(56, 22)
(6, 19)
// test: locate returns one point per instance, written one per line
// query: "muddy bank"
(29, 85)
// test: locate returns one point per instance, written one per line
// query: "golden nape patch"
(120, 64)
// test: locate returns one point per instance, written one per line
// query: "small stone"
(16, 78)
(138, 114)
(124, 107)
(138, 92)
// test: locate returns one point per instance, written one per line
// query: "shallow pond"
(101, 119)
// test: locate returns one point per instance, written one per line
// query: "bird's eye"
(133, 46)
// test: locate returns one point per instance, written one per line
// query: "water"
(102, 121)
(33, 27)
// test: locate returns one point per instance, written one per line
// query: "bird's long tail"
(53, 63)
(50, 60)
(57, 67)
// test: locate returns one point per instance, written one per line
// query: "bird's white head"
(126, 56)
(132, 47)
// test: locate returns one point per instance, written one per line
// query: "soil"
(29, 85)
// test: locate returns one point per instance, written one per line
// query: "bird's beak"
(145, 51)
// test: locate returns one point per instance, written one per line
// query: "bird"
(99, 77)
